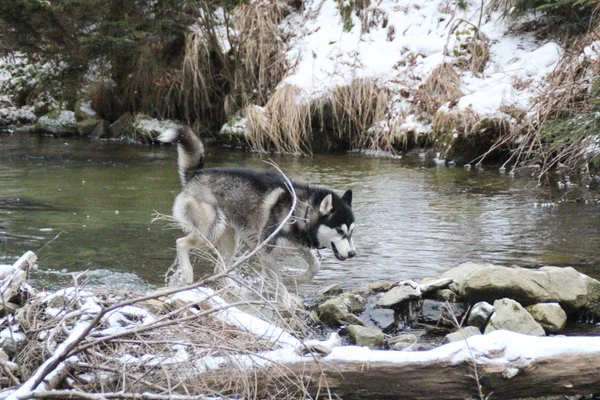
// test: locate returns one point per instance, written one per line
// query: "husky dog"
(223, 204)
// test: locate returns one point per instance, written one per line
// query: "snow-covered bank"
(400, 47)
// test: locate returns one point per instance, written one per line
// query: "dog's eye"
(341, 232)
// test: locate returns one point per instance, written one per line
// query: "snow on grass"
(403, 43)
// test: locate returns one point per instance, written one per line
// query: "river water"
(412, 221)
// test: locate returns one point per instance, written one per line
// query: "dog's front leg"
(314, 265)
(184, 245)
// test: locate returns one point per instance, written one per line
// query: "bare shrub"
(563, 129)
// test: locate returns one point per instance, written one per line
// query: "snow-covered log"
(508, 365)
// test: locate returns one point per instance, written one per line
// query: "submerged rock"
(365, 336)
(550, 315)
(510, 315)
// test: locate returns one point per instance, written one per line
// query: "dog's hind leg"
(314, 265)
(227, 248)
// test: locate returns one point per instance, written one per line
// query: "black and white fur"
(227, 204)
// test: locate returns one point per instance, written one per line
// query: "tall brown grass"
(289, 124)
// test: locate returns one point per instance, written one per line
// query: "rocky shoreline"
(471, 299)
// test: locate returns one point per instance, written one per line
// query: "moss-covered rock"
(57, 122)
(339, 310)
(122, 127)
(87, 126)
(365, 336)
(510, 315)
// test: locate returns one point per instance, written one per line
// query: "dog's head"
(336, 224)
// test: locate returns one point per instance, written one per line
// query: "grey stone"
(550, 315)
(446, 295)
(383, 318)
(333, 312)
(235, 132)
(352, 319)
(510, 315)
(398, 295)
(441, 313)
(480, 314)
(459, 274)
(429, 285)
(462, 334)
(372, 288)
(403, 341)
(331, 290)
(60, 123)
(365, 336)
(102, 130)
(571, 289)
(87, 126)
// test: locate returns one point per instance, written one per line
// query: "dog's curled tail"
(190, 151)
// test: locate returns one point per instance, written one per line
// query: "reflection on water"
(412, 221)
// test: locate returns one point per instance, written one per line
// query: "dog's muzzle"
(337, 254)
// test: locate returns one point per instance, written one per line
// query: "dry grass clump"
(346, 118)
(233, 59)
(284, 123)
(355, 109)
(440, 87)
(153, 88)
(197, 88)
(259, 51)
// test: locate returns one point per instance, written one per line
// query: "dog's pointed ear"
(326, 205)
(347, 197)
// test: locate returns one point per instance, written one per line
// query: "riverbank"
(474, 81)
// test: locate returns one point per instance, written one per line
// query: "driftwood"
(441, 379)
(509, 366)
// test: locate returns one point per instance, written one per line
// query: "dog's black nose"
(351, 254)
